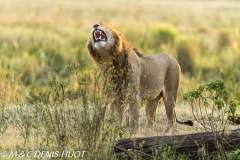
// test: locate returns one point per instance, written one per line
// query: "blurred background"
(39, 39)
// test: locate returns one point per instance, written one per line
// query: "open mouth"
(99, 35)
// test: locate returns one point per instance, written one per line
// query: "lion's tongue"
(97, 34)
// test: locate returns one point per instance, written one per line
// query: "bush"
(187, 50)
(231, 74)
(225, 38)
(160, 36)
(211, 108)
(86, 123)
(11, 90)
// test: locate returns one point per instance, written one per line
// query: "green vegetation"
(49, 121)
(46, 76)
(215, 97)
(37, 41)
(212, 108)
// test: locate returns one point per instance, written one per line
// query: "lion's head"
(104, 38)
(108, 45)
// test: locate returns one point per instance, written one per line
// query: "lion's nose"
(95, 25)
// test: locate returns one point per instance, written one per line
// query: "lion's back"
(155, 69)
(163, 62)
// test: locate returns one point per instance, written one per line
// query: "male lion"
(150, 77)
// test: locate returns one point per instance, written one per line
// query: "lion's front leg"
(120, 111)
(119, 107)
(134, 114)
(134, 118)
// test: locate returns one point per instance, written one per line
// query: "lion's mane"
(119, 54)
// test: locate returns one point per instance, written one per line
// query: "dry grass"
(185, 15)
(183, 113)
(13, 139)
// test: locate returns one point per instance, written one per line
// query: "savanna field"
(50, 97)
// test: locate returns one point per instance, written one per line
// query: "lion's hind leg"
(150, 109)
(169, 102)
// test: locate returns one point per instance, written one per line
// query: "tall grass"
(45, 38)
(51, 121)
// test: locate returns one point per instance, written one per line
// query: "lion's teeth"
(99, 35)
(95, 35)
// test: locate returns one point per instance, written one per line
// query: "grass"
(16, 136)
(59, 29)
(41, 40)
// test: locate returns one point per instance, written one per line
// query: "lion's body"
(166, 72)
(151, 77)
(156, 76)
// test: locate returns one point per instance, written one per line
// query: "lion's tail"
(188, 122)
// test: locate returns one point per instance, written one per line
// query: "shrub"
(187, 50)
(160, 36)
(3, 118)
(86, 123)
(212, 95)
(225, 38)
(11, 90)
(231, 74)
(212, 109)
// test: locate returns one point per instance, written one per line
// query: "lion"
(150, 77)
